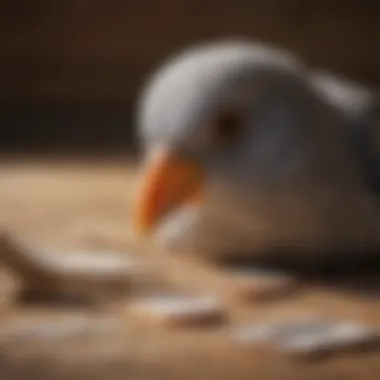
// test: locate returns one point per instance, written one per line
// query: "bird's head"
(227, 128)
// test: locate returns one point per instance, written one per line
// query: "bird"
(245, 158)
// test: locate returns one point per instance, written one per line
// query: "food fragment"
(180, 310)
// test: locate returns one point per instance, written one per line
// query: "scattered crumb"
(27, 329)
(180, 310)
(253, 284)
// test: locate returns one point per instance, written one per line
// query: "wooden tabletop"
(70, 205)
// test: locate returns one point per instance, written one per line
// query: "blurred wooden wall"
(99, 50)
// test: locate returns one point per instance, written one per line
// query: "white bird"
(246, 159)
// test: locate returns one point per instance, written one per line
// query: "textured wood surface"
(89, 50)
(66, 205)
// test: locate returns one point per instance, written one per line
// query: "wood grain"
(86, 205)
(101, 50)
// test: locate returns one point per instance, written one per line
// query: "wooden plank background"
(99, 50)
(71, 69)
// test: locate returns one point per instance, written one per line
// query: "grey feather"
(360, 106)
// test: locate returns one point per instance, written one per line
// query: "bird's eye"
(227, 127)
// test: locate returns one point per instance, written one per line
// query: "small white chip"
(96, 263)
(271, 331)
(338, 337)
(254, 284)
(180, 310)
(37, 329)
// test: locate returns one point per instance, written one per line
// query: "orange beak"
(168, 184)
